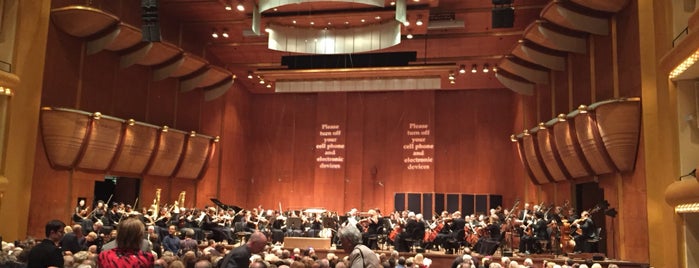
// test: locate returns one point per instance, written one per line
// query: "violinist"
(113, 215)
(278, 227)
(442, 224)
(99, 211)
(457, 232)
(539, 230)
(210, 222)
(585, 231)
(526, 234)
(371, 229)
(80, 211)
(411, 232)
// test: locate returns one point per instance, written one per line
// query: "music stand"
(294, 223)
(328, 222)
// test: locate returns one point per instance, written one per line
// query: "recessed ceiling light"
(409, 36)
(293, 21)
(363, 20)
(330, 23)
(393, 3)
(377, 17)
(225, 34)
(418, 22)
(313, 23)
(346, 22)
(229, 7)
(240, 7)
(269, 85)
(406, 23)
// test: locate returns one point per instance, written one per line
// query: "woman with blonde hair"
(128, 252)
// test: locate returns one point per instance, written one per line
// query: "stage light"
(225, 33)
(474, 68)
(240, 6)
(486, 68)
(249, 75)
(462, 69)
(214, 34)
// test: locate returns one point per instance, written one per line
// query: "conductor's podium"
(306, 242)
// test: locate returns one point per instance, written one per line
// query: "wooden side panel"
(98, 83)
(49, 194)
(604, 73)
(302, 147)
(62, 72)
(211, 120)
(560, 85)
(374, 154)
(131, 92)
(355, 153)
(236, 149)
(189, 110)
(162, 103)
(581, 79)
(449, 112)
(543, 93)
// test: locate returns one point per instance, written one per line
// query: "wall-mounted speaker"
(503, 17)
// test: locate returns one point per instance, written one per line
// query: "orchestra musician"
(524, 221)
(413, 230)
(371, 227)
(98, 212)
(539, 230)
(80, 211)
(210, 223)
(585, 230)
(113, 215)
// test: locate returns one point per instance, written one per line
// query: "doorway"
(588, 196)
(120, 189)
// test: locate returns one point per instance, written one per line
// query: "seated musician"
(99, 211)
(371, 227)
(278, 227)
(539, 230)
(410, 232)
(210, 223)
(80, 211)
(585, 230)
(456, 232)
(113, 215)
(443, 223)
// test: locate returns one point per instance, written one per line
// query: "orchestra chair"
(593, 243)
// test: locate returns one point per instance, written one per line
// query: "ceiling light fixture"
(474, 68)
(486, 68)
(249, 74)
(267, 29)
(240, 6)
(293, 21)
(495, 68)
(225, 33)
(393, 3)
(409, 36)
(269, 85)
(228, 7)
(363, 20)
(214, 34)
(313, 23)
(418, 22)
(462, 69)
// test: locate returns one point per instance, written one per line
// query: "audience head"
(54, 230)
(130, 234)
(257, 242)
(349, 236)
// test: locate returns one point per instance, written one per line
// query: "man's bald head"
(257, 242)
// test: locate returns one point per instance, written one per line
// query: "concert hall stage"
(441, 260)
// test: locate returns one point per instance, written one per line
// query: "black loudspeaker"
(151, 27)
(502, 2)
(503, 17)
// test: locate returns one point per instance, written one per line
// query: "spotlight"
(225, 33)
(452, 82)
(214, 34)
(393, 3)
(406, 23)
(495, 68)
(249, 75)
(462, 69)
(267, 29)
(240, 6)
(313, 23)
(474, 68)
(269, 85)
(451, 76)
(418, 22)
(409, 36)
(486, 68)
(228, 7)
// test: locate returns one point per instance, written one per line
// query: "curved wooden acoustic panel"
(64, 132)
(169, 151)
(515, 83)
(618, 123)
(522, 157)
(101, 143)
(569, 149)
(557, 13)
(549, 154)
(524, 70)
(541, 56)
(531, 152)
(82, 21)
(213, 76)
(95, 142)
(159, 53)
(195, 156)
(591, 142)
(128, 37)
(611, 6)
(136, 149)
(541, 33)
(190, 65)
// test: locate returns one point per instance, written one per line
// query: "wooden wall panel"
(543, 93)
(448, 112)
(375, 155)
(98, 83)
(131, 92)
(354, 149)
(302, 136)
(49, 194)
(328, 183)
(628, 48)
(162, 101)
(189, 110)
(212, 115)
(581, 79)
(62, 71)
(604, 73)
(236, 149)
(560, 85)
(468, 156)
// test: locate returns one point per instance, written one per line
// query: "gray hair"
(351, 234)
